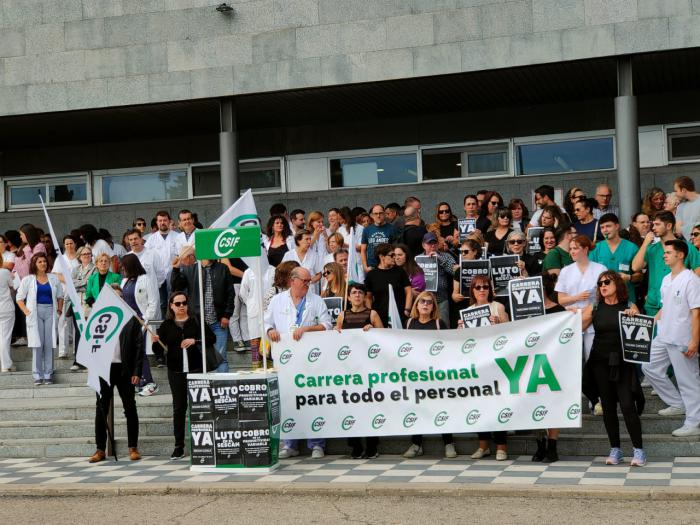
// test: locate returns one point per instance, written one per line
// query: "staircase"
(58, 421)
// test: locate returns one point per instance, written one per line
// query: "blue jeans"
(310, 443)
(220, 344)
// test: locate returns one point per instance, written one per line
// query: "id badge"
(293, 327)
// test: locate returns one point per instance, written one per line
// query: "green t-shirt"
(556, 259)
(654, 259)
(620, 261)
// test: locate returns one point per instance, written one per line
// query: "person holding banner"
(297, 311)
(40, 297)
(615, 380)
(356, 317)
(481, 294)
(181, 333)
(425, 315)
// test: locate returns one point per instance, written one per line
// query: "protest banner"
(636, 333)
(520, 375)
(533, 239)
(468, 269)
(465, 227)
(335, 306)
(476, 317)
(503, 269)
(526, 298)
(429, 265)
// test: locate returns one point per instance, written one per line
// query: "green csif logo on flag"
(103, 324)
(243, 241)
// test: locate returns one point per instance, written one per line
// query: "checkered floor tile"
(520, 470)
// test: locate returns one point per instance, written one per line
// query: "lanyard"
(300, 311)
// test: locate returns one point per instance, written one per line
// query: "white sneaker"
(645, 382)
(654, 393)
(450, 451)
(598, 409)
(286, 453)
(481, 453)
(413, 451)
(317, 452)
(149, 390)
(686, 431)
(672, 411)
(21, 341)
(501, 455)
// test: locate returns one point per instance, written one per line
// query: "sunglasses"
(465, 251)
(482, 287)
(426, 302)
(516, 241)
(694, 234)
(494, 203)
(604, 282)
(326, 273)
(140, 224)
(180, 303)
(443, 211)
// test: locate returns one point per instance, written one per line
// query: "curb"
(598, 492)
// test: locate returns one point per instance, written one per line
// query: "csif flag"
(394, 317)
(108, 317)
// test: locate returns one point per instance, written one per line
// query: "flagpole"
(263, 336)
(201, 318)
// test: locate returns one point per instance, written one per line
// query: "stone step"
(80, 428)
(652, 423)
(54, 391)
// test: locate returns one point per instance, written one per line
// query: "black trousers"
(127, 394)
(612, 393)
(178, 387)
(371, 442)
(418, 439)
(499, 438)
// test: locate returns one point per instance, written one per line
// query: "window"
(684, 143)
(565, 156)
(55, 191)
(369, 171)
(144, 186)
(465, 161)
(258, 175)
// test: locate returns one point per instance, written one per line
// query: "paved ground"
(577, 471)
(272, 509)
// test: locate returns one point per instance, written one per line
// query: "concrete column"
(627, 142)
(228, 153)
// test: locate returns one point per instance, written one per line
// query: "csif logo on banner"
(225, 243)
(378, 421)
(532, 339)
(404, 349)
(410, 419)
(373, 351)
(314, 355)
(103, 325)
(348, 422)
(505, 415)
(344, 352)
(500, 343)
(441, 418)
(469, 345)
(566, 335)
(539, 413)
(285, 357)
(288, 425)
(473, 416)
(318, 424)
(574, 412)
(436, 348)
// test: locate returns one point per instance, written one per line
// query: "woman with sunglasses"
(403, 260)
(481, 294)
(444, 226)
(470, 250)
(616, 380)
(358, 316)
(492, 201)
(181, 334)
(570, 199)
(695, 236)
(426, 316)
(516, 242)
(499, 231)
(335, 280)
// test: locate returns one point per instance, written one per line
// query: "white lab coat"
(281, 313)
(147, 297)
(248, 293)
(166, 248)
(27, 293)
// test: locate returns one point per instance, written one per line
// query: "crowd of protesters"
(589, 257)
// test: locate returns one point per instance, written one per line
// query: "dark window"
(376, 170)
(565, 156)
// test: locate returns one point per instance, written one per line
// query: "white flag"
(102, 328)
(62, 266)
(355, 272)
(394, 317)
(243, 213)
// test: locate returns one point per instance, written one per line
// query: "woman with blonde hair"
(335, 280)
(319, 235)
(334, 242)
(653, 202)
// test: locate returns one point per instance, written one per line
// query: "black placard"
(252, 400)
(503, 269)
(468, 269)
(533, 239)
(199, 393)
(335, 306)
(255, 443)
(465, 226)
(225, 399)
(526, 298)
(476, 316)
(202, 436)
(273, 396)
(429, 265)
(228, 442)
(636, 335)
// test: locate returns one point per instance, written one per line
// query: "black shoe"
(552, 454)
(356, 452)
(178, 453)
(541, 452)
(160, 362)
(371, 453)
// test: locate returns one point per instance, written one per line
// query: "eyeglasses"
(86, 255)
(465, 251)
(306, 282)
(180, 304)
(140, 224)
(390, 255)
(426, 302)
(604, 282)
(516, 241)
(441, 212)
(604, 195)
(326, 273)
(482, 287)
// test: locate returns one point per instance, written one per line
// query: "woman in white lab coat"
(7, 317)
(40, 297)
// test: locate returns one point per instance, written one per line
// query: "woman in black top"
(615, 379)
(355, 317)
(380, 278)
(499, 231)
(182, 334)
(426, 316)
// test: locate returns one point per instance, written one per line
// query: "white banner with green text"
(514, 376)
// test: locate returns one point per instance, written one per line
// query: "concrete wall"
(60, 55)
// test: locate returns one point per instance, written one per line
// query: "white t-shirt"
(572, 282)
(119, 250)
(8, 257)
(688, 214)
(678, 296)
(311, 262)
(535, 219)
